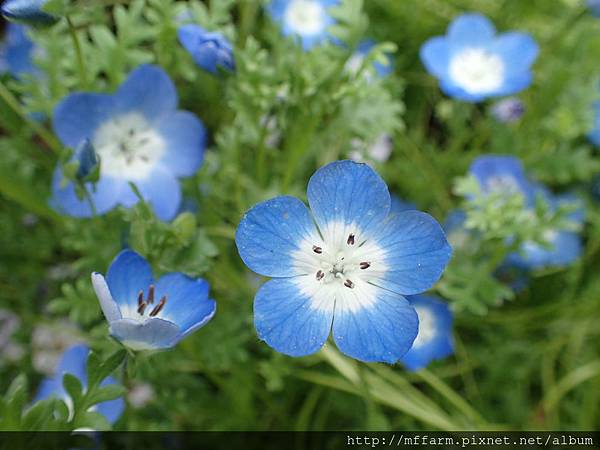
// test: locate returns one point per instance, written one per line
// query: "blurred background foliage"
(529, 363)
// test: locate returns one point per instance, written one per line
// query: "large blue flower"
(306, 19)
(208, 49)
(434, 340)
(341, 266)
(144, 314)
(16, 52)
(74, 362)
(472, 63)
(29, 11)
(594, 135)
(140, 138)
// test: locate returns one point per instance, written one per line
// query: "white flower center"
(426, 326)
(305, 17)
(477, 71)
(503, 184)
(340, 266)
(128, 146)
(145, 308)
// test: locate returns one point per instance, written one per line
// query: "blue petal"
(112, 409)
(399, 205)
(149, 90)
(127, 275)
(435, 55)
(73, 361)
(518, 51)
(152, 334)
(161, 189)
(188, 305)
(415, 250)
(209, 50)
(17, 50)
(105, 195)
(289, 320)
(109, 306)
(470, 29)
(349, 194)
(271, 232)
(185, 140)
(373, 325)
(77, 116)
(27, 11)
(509, 168)
(47, 388)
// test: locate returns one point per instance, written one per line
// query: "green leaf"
(109, 365)
(39, 415)
(105, 393)
(74, 388)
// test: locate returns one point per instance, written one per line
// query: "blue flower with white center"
(508, 110)
(28, 11)
(504, 174)
(472, 63)
(356, 60)
(306, 19)
(434, 340)
(74, 361)
(209, 50)
(594, 135)
(144, 314)
(140, 137)
(342, 267)
(16, 52)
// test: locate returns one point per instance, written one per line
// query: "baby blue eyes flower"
(208, 49)
(144, 314)
(472, 63)
(341, 266)
(508, 110)
(74, 362)
(28, 11)
(139, 136)
(16, 52)
(306, 19)
(434, 340)
(502, 174)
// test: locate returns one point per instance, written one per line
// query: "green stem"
(78, 53)
(38, 129)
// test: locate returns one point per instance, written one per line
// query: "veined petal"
(291, 320)
(107, 303)
(128, 274)
(185, 140)
(469, 29)
(518, 50)
(187, 304)
(373, 325)
(161, 189)
(151, 334)
(270, 233)
(435, 55)
(414, 250)
(149, 90)
(344, 197)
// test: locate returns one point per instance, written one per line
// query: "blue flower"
(505, 174)
(74, 362)
(148, 315)
(208, 49)
(340, 267)
(356, 60)
(472, 63)
(29, 11)
(140, 138)
(508, 110)
(594, 135)
(434, 340)
(16, 52)
(306, 19)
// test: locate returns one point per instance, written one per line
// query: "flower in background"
(28, 11)
(508, 110)
(341, 266)
(594, 135)
(379, 151)
(306, 19)
(434, 340)
(74, 361)
(472, 63)
(144, 314)
(10, 350)
(48, 343)
(208, 49)
(356, 60)
(502, 174)
(16, 52)
(594, 6)
(140, 138)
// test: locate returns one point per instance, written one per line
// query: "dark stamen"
(141, 309)
(320, 275)
(318, 250)
(349, 284)
(144, 158)
(140, 298)
(159, 307)
(350, 240)
(131, 132)
(365, 265)
(150, 295)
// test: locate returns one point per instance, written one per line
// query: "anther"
(365, 265)
(320, 274)
(141, 309)
(317, 250)
(350, 240)
(150, 295)
(159, 307)
(140, 299)
(349, 284)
